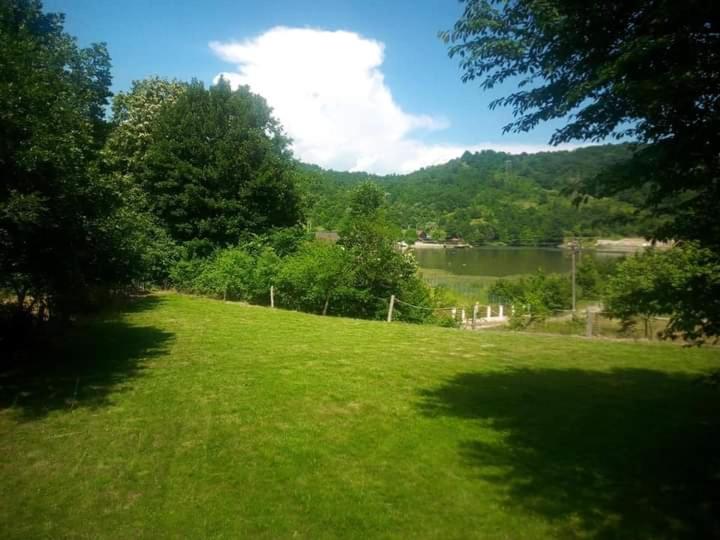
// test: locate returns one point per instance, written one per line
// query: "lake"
(494, 261)
(500, 261)
(469, 272)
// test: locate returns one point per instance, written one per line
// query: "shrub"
(534, 297)
(315, 275)
(683, 282)
(231, 274)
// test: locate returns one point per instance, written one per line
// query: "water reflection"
(502, 261)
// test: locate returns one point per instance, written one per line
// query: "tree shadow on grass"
(91, 360)
(631, 453)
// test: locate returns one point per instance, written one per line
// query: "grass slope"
(186, 417)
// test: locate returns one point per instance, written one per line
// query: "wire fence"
(590, 321)
(599, 323)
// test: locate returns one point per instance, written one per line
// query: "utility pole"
(574, 248)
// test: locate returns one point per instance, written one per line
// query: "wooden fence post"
(488, 311)
(390, 309)
(475, 313)
(501, 312)
(589, 323)
(272, 296)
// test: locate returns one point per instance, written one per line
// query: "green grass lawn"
(191, 418)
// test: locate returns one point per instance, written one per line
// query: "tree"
(675, 282)
(151, 251)
(219, 166)
(488, 197)
(588, 278)
(379, 270)
(233, 273)
(56, 239)
(541, 293)
(134, 117)
(316, 275)
(640, 69)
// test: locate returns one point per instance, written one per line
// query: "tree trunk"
(21, 295)
(325, 307)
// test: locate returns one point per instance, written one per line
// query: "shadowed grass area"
(187, 417)
(628, 453)
(87, 364)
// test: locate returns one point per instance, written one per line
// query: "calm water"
(499, 261)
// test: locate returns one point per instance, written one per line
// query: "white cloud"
(328, 92)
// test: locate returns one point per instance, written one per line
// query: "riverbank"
(439, 245)
(633, 244)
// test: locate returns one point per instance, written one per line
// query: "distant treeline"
(492, 198)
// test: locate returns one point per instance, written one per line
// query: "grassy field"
(191, 418)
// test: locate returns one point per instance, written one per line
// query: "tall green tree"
(55, 238)
(134, 115)
(643, 69)
(678, 282)
(379, 270)
(219, 166)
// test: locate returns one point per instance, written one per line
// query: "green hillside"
(491, 197)
(191, 418)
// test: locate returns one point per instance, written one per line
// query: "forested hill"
(489, 197)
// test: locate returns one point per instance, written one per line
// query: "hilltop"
(491, 198)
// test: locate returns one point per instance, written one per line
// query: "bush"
(227, 274)
(316, 275)
(588, 278)
(683, 282)
(231, 274)
(534, 297)
(330, 278)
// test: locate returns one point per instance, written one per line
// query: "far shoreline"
(604, 245)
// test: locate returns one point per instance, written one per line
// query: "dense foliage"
(218, 166)
(231, 273)
(354, 277)
(533, 298)
(674, 282)
(490, 197)
(638, 69)
(196, 187)
(61, 234)
(625, 68)
(90, 207)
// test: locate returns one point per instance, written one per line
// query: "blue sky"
(361, 85)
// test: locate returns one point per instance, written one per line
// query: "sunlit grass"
(190, 418)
